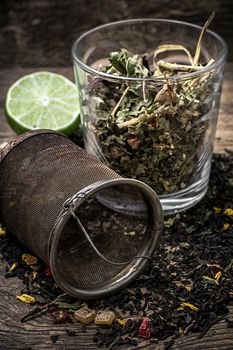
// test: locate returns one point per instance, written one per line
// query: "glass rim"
(177, 77)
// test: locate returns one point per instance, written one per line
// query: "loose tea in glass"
(149, 94)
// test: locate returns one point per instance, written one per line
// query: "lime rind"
(43, 100)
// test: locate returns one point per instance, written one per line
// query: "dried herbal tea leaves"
(189, 285)
(146, 129)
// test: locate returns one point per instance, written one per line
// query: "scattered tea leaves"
(54, 338)
(71, 333)
(185, 289)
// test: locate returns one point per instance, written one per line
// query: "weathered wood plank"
(224, 134)
(36, 334)
(37, 33)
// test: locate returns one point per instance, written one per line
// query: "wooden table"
(35, 334)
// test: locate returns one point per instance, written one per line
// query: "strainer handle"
(96, 249)
(69, 208)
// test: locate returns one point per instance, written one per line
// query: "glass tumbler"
(157, 129)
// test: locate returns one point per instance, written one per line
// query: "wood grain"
(39, 33)
(36, 334)
(224, 134)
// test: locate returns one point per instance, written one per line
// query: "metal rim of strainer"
(18, 139)
(134, 269)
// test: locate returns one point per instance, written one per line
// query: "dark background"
(40, 33)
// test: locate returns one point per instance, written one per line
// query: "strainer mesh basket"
(42, 170)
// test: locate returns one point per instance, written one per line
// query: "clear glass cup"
(172, 152)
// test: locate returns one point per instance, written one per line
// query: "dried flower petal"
(188, 287)
(189, 305)
(121, 322)
(13, 266)
(226, 226)
(25, 298)
(29, 259)
(217, 210)
(228, 211)
(144, 329)
(2, 232)
(218, 275)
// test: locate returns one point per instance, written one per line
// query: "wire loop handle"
(96, 249)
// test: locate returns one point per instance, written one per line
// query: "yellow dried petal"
(188, 288)
(29, 259)
(217, 210)
(13, 266)
(178, 283)
(226, 226)
(181, 331)
(190, 306)
(2, 232)
(218, 275)
(228, 211)
(121, 322)
(231, 294)
(27, 299)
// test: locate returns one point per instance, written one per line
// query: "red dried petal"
(144, 330)
(47, 272)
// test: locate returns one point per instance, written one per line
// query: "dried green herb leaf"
(128, 65)
(149, 130)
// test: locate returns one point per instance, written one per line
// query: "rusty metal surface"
(20, 138)
(42, 170)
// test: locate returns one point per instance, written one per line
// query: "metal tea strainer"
(94, 228)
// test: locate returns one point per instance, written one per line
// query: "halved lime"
(42, 100)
